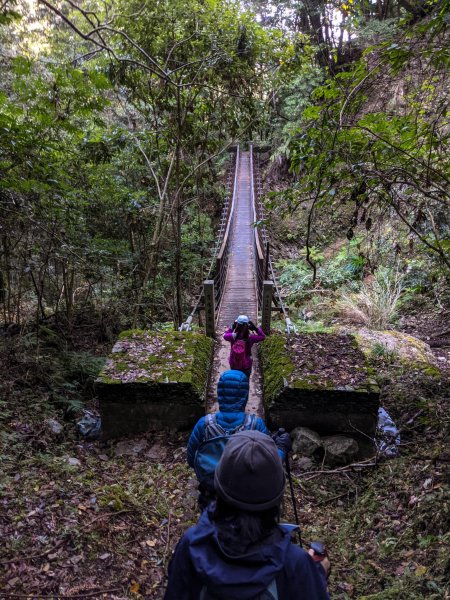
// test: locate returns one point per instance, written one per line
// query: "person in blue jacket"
(238, 550)
(232, 396)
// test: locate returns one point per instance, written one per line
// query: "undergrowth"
(82, 517)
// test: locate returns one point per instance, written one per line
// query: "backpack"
(237, 356)
(213, 445)
(270, 593)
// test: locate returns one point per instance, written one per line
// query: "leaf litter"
(105, 526)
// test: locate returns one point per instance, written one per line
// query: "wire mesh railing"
(258, 239)
(219, 262)
(263, 261)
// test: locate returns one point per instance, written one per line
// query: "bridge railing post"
(266, 309)
(210, 309)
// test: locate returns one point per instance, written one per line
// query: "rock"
(304, 463)
(130, 447)
(154, 380)
(320, 381)
(305, 441)
(407, 349)
(73, 462)
(340, 450)
(156, 452)
(55, 427)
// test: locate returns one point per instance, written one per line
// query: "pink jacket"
(253, 338)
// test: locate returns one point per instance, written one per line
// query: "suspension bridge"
(241, 279)
(159, 390)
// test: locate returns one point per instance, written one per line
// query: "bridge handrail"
(224, 252)
(219, 261)
(263, 262)
(257, 249)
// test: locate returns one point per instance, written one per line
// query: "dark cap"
(250, 474)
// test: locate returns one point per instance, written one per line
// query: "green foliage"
(312, 327)
(344, 268)
(386, 158)
(388, 355)
(108, 181)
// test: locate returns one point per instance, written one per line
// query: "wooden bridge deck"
(239, 296)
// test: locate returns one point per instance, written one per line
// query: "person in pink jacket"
(241, 341)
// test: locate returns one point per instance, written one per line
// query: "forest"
(118, 121)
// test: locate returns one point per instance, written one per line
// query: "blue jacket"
(199, 560)
(232, 395)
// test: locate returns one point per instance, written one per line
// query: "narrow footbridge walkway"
(235, 283)
(239, 295)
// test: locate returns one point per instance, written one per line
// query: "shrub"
(346, 267)
(375, 305)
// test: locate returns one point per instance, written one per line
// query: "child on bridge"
(238, 549)
(211, 433)
(241, 341)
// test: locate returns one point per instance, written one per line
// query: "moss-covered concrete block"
(154, 380)
(320, 381)
(397, 346)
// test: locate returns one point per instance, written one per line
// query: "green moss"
(160, 357)
(130, 333)
(276, 366)
(297, 361)
(312, 382)
(121, 366)
(429, 370)
(408, 352)
(109, 380)
(202, 361)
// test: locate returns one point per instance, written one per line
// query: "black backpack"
(270, 593)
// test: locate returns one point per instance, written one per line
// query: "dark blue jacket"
(232, 395)
(199, 560)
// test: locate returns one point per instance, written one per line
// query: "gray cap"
(250, 475)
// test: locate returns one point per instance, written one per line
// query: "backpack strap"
(212, 427)
(273, 589)
(250, 422)
(253, 421)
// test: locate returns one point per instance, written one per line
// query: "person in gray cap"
(213, 431)
(238, 550)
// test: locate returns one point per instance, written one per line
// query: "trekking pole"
(294, 503)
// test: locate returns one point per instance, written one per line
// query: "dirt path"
(240, 290)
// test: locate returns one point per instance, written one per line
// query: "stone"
(156, 452)
(340, 450)
(154, 380)
(130, 447)
(55, 427)
(72, 461)
(409, 350)
(321, 381)
(304, 463)
(305, 441)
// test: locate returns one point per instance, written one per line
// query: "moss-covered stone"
(406, 349)
(276, 364)
(320, 381)
(154, 380)
(146, 356)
